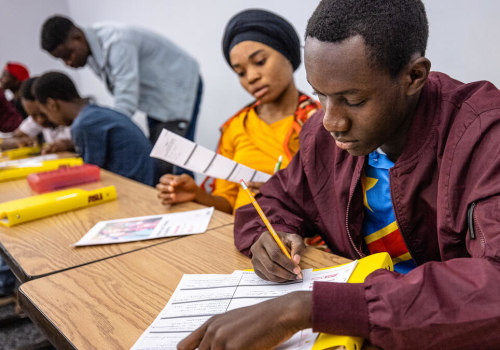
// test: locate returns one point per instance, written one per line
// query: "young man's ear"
(416, 73)
(52, 105)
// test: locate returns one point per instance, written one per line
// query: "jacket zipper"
(472, 222)
(351, 240)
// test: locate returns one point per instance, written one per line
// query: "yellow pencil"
(266, 221)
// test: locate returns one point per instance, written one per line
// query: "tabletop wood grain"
(109, 304)
(41, 247)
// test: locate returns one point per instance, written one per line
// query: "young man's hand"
(261, 326)
(269, 261)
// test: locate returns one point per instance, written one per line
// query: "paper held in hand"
(148, 227)
(179, 151)
(198, 297)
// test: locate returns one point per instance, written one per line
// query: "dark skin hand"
(269, 261)
(255, 186)
(26, 141)
(183, 188)
(265, 325)
(16, 142)
(58, 146)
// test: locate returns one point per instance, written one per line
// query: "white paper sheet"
(26, 162)
(148, 227)
(179, 151)
(199, 297)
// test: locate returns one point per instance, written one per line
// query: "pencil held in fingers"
(266, 221)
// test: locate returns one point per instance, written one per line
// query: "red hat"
(17, 70)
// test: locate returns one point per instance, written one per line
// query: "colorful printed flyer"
(148, 227)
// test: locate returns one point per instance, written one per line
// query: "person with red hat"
(13, 75)
(10, 118)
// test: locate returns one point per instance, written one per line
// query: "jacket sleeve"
(124, 65)
(454, 304)
(30, 127)
(283, 198)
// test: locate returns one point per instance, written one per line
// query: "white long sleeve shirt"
(143, 71)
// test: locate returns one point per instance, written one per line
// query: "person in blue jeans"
(143, 70)
(102, 136)
(7, 279)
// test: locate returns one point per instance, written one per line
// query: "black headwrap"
(266, 28)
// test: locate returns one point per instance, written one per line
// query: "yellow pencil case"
(36, 207)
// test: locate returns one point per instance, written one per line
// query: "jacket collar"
(95, 44)
(424, 123)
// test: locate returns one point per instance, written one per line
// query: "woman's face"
(38, 116)
(263, 72)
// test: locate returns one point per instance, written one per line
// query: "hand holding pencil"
(270, 255)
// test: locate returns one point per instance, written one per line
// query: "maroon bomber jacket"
(445, 189)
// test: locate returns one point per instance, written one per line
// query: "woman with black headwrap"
(263, 49)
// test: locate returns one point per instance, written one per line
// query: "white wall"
(20, 22)
(463, 38)
(459, 42)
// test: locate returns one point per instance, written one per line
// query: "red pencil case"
(63, 177)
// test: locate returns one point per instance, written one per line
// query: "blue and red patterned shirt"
(380, 228)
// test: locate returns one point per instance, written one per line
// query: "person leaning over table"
(102, 136)
(387, 121)
(263, 49)
(56, 138)
(143, 71)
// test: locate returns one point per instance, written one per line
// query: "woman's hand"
(255, 186)
(176, 189)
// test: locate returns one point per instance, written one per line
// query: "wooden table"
(109, 304)
(42, 247)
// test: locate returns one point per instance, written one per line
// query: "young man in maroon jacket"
(401, 160)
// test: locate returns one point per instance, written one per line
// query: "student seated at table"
(10, 118)
(55, 138)
(102, 136)
(263, 49)
(401, 160)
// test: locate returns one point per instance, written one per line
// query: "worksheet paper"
(179, 151)
(26, 162)
(199, 297)
(148, 227)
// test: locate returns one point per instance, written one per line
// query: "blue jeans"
(7, 279)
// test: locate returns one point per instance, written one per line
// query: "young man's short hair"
(54, 32)
(55, 85)
(393, 30)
